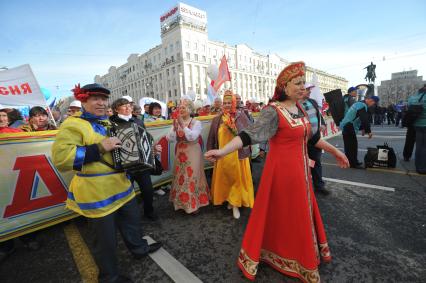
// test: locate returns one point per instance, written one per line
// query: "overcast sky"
(67, 42)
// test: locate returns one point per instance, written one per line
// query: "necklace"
(180, 131)
(292, 113)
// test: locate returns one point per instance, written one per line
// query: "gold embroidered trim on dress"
(324, 250)
(293, 122)
(292, 266)
(249, 265)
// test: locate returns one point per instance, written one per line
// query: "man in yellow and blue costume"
(103, 195)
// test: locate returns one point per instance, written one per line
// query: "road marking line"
(173, 268)
(379, 131)
(82, 257)
(388, 170)
(360, 184)
(397, 171)
(383, 137)
(359, 149)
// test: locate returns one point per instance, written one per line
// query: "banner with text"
(18, 86)
(33, 191)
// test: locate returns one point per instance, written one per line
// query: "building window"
(178, 56)
(204, 58)
(186, 43)
(165, 50)
(168, 72)
(203, 48)
(171, 47)
(196, 57)
(177, 44)
(195, 46)
(188, 56)
(175, 92)
(174, 70)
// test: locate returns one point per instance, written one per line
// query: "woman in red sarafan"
(285, 228)
(189, 187)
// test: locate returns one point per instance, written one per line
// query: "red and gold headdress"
(287, 74)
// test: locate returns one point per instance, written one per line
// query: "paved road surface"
(375, 235)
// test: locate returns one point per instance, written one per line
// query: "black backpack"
(381, 156)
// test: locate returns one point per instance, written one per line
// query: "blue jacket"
(357, 115)
(421, 121)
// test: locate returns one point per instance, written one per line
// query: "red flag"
(223, 74)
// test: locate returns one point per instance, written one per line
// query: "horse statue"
(371, 73)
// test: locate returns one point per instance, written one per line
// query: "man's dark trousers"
(143, 179)
(410, 140)
(351, 144)
(315, 153)
(127, 219)
(420, 155)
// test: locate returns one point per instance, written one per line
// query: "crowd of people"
(288, 130)
(359, 115)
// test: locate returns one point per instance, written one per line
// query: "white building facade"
(399, 87)
(180, 63)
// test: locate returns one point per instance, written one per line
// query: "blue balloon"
(25, 111)
(46, 93)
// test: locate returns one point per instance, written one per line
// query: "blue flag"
(52, 104)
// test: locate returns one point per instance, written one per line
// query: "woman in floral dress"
(189, 187)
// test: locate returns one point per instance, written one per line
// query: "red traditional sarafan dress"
(189, 190)
(285, 228)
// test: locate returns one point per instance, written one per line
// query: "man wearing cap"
(317, 121)
(74, 107)
(254, 107)
(356, 117)
(101, 194)
(350, 98)
(39, 121)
